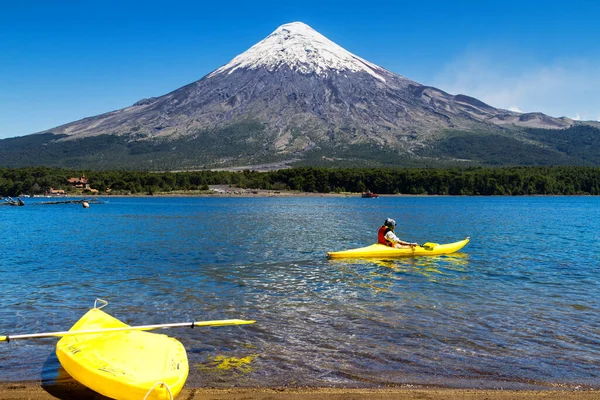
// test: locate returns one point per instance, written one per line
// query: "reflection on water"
(447, 268)
(494, 315)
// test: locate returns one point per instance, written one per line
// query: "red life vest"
(381, 236)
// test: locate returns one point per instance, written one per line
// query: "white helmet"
(390, 223)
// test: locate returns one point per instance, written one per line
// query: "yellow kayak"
(126, 364)
(382, 251)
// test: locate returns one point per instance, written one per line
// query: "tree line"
(559, 180)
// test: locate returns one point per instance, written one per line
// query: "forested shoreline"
(559, 180)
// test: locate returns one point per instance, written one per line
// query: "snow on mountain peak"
(302, 49)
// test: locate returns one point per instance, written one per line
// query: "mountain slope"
(291, 95)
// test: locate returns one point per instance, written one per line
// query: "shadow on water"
(57, 382)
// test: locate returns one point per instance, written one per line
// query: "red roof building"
(79, 182)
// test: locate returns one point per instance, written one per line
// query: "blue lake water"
(518, 307)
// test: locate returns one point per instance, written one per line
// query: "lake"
(518, 307)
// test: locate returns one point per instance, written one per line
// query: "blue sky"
(64, 60)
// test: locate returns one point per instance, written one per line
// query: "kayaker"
(386, 236)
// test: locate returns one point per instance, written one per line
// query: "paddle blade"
(224, 322)
(429, 245)
(3, 338)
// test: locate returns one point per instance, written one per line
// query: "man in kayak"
(387, 236)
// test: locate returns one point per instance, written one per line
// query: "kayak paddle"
(223, 322)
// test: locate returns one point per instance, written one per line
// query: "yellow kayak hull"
(381, 251)
(126, 364)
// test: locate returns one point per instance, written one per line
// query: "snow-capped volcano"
(302, 49)
(294, 93)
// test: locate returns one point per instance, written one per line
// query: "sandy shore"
(35, 391)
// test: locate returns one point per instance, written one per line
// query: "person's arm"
(403, 243)
(391, 236)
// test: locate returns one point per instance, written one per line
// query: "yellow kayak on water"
(378, 250)
(126, 364)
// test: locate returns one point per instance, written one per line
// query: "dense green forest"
(245, 144)
(565, 180)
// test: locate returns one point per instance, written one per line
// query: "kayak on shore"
(126, 364)
(378, 250)
(121, 361)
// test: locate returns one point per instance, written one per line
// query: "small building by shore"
(55, 192)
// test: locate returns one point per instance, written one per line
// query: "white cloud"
(564, 87)
(576, 118)
(515, 109)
